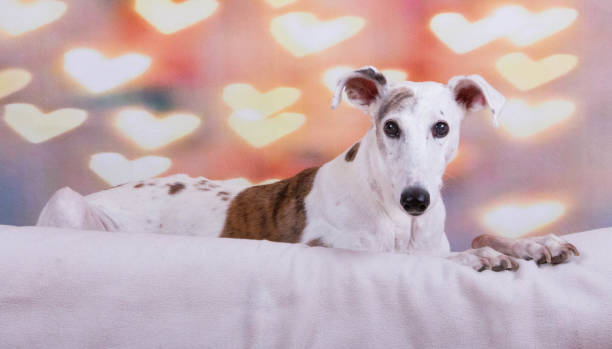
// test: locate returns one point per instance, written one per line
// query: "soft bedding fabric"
(84, 289)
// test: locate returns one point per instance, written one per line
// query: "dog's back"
(176, 204)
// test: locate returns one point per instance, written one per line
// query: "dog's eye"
(440, 129)
(391, 129)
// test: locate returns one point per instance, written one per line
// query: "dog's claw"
(548, 249)
(573, 249)
(515, 265)
(548, 255)
(542, 260)
(481, 259)
(485, 264)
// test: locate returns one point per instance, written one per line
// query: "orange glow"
(525, 74)
(36, 127)
(514, 219)
(302, 33)
(99, 74)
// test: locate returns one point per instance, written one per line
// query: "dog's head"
(416, 127)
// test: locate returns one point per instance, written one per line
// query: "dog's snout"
(415, 200)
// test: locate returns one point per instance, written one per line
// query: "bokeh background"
(96, 93)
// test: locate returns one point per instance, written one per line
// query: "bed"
(76, 289)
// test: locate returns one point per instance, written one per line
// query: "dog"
(382, 194)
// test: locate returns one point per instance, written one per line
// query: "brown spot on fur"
(221, 193)
(139, 185)
(373, 74)
(225, 198)
(317, 242)
(175, 188)
(350, 155)
(204, 189)
(394, 101)
(274, 212)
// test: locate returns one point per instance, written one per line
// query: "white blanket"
(84, 289)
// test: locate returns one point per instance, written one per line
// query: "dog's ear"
(473, 93)
(363, 87)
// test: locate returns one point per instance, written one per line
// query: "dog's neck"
(351, 194)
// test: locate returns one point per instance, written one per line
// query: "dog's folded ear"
(473, 93)
(363, 88)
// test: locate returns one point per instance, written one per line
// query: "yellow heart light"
(245, 96)
(149, 132)
(331, 76)
(514, 22)
(169, 17)
(280, 3)
(522, 120)
(519, 218)
(98, 74)
(19, 17)
(37, 127)
(525, 74)
(115, 169)
(302, 33)
(13, 80)
(260, 131)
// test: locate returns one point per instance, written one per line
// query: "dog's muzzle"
(415, 200)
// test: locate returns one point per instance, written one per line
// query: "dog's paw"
(484, 258)
(544, 249)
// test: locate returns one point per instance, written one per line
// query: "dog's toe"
(485, 258)
(549, 249)
(562, 257)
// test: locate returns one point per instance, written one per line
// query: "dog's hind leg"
(68, 209)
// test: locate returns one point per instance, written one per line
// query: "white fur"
(354, 205)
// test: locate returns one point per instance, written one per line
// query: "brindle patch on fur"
(394, 101)
(352, 153)
(274, 212)
(317, 242)
(175, 188)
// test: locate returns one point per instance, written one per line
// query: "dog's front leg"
(543, 249)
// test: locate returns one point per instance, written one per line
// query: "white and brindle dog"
(382, 194)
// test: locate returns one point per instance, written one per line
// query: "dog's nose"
(415, 200)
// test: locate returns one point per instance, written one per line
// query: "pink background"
(569, 163)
